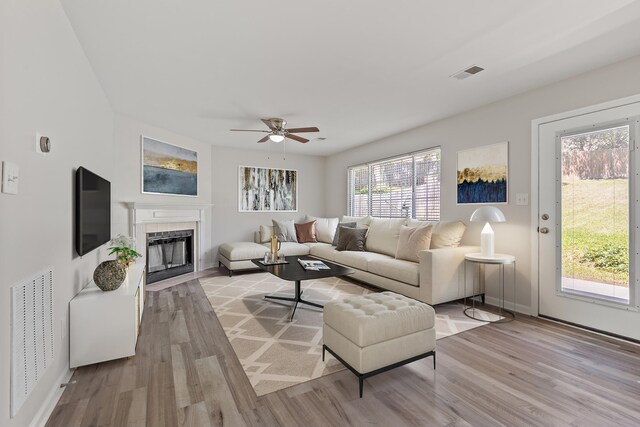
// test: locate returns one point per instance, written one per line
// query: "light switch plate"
(522, 199)
(10, 174)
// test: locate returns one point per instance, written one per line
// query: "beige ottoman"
(373, 333)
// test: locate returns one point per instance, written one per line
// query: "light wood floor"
(528, 372)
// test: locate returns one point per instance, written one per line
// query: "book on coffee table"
(312, 264)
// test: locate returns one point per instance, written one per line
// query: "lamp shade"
(276, 138)
(487, 214)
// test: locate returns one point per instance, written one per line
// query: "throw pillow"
(285, 230)
(266, 231)
(336, 237)
(351, 239)
(325, 228)
(446, 234)
(383, 235)
(412, 241)
(362, 221)
(306, 232)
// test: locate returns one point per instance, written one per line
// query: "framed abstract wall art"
(264, 189)
(168, 169)
(483, 174)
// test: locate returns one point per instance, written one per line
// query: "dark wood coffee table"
(294, 272)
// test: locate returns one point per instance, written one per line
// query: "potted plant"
(123, 248)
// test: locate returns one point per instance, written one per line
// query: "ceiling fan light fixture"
(276, 138)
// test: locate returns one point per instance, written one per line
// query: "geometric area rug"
(276, 353)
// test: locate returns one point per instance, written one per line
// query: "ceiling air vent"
(467, 72)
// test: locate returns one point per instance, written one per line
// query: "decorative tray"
(273, 263)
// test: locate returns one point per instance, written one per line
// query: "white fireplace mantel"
(141, 214)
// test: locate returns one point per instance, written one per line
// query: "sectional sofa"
(438, 276)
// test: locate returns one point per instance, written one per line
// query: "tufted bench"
(373, 333)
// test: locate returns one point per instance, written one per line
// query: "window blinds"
(403, 186)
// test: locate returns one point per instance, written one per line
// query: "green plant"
(609, 257)
(123, 248)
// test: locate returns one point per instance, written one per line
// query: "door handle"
(543, 230)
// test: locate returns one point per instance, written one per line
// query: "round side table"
(500, 260)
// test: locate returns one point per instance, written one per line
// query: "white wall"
(128, 175)
(507, 120)
(229, 225)
(46, 85)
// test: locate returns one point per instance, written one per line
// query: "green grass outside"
(595, 218)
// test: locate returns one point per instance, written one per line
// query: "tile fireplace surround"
(155, 217)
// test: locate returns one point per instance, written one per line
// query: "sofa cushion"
(352, 239)
(285, 230)
(238, 251)
(306, 232)
(336, 236)
(359, 260)
(289, 249)
(397, 269)
(266, 231)
(412, 240)
(361, 221)
(323, 250)
(383, 235)
(325, 228)
(446, 234)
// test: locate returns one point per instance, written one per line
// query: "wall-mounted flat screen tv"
(93, 211)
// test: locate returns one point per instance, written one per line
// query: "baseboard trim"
(46, 409)
(521, 309)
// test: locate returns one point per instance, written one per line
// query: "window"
(400, 187)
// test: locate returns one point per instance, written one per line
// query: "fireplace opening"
(169, 254)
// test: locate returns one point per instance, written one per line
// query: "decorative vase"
(109, 275)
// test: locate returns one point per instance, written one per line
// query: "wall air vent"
(31, 335)
(467, 72)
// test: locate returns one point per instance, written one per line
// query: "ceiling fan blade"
(268, 123)
(248, 130)
(307, 129)
(297, 138)
(265, 139)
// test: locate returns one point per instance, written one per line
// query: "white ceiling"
(359, 70)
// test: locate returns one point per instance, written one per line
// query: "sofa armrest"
(442, 274)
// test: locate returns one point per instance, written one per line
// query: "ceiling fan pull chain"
(284, 148)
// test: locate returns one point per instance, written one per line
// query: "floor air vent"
(31, 335)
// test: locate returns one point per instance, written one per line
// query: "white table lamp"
(487, 214)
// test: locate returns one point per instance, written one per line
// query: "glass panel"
(595, 214)
(392, 188)
(427, 185)
(359, 191)
(405, 186)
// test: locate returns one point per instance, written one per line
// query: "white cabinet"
(105, 325)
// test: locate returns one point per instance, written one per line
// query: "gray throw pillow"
(351, 239)
(336, 236)
(285, 230)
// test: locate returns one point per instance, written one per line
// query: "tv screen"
(93, 211)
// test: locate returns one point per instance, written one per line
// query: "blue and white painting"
(483, 174)
(268, 190)
(168, 169)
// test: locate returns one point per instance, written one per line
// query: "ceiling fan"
(278, 132)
